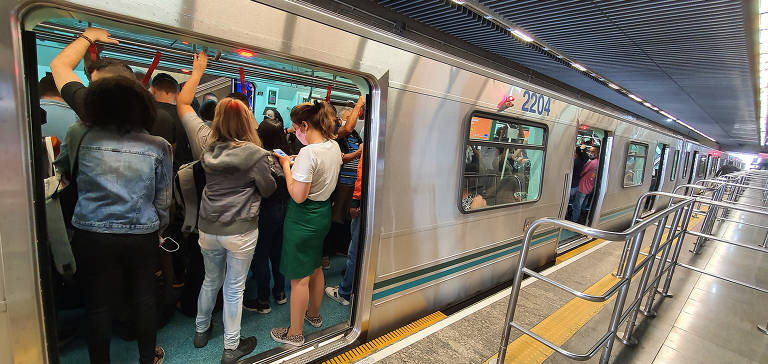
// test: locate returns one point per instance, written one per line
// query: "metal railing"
(724, 194)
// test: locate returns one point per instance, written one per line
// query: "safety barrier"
(721, 196)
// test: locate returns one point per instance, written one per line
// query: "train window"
(685, 164)
(634, 170)
(713, 166)
(503, 164)
(675, 160)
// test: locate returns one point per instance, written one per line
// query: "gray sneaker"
(280, 334)
(314, 321)
(333, 293)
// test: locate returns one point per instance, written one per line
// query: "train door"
(657, 179)
(276, 85)
(587, 187)
(692, 170)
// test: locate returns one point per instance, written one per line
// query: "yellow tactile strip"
(385, 340)
(572, 253)
(563, 323)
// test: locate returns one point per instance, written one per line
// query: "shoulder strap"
(75, 165)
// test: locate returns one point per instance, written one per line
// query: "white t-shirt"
(318, 164)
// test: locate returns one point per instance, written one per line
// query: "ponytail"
(320, 115)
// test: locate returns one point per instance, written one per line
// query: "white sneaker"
(333, 293)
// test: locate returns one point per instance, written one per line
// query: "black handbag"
(67, 196)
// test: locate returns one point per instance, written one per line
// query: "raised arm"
(63, 66)
(187, 94)
(352, 118)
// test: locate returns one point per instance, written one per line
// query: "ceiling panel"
(690, 58)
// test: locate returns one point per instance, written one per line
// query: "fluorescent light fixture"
(520, 35)
(666, 114)
(633, 97)
(613, 86)
(578, 66)
(460, 2)
(647, 105)
(489, 17)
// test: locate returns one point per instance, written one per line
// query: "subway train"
(459, 156)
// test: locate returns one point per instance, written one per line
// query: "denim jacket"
(124, 181)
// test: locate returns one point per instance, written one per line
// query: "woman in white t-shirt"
(310, 183)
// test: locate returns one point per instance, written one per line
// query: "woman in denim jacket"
(124, 191)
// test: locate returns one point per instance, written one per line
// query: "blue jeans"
(268, 250)
(227, 259)
(345, 286)
(578, 205)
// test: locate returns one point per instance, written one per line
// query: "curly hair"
(119, 102)
(319, 115)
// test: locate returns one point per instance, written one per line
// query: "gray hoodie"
(237, 177)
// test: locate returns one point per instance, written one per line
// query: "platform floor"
(707, 321)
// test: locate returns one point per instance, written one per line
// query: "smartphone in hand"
(280, 152)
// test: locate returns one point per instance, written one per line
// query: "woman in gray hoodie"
(238, 175)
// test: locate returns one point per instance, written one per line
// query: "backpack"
(188, 185)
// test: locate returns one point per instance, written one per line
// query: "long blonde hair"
(234, 122)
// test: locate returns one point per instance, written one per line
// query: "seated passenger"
(271, 216)
(119, 211)
(237, 173)
(308, 218)
(472, 200)
(59, 116)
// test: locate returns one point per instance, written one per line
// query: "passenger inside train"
(203, 264)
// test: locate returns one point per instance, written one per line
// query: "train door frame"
(694, 164)
(660, 175)
(343, 334)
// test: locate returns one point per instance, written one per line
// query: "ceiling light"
(613, 86)
(185, 71)
(460, 2)
(520, 35)
(647, 105)
(666, 114)
(633, 97)
(489, 17)
(245, 53)
(578, 66)
(184, 42)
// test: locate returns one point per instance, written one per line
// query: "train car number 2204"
(536, 103)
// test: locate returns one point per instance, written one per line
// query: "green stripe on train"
(617, 212)
(501, 251)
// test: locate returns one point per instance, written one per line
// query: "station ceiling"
(696, 60)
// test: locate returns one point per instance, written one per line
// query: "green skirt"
(305, 227)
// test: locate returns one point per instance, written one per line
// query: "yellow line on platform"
(376, 344)
(566, 321)
(572, 253)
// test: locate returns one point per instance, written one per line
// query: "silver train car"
(430, 115)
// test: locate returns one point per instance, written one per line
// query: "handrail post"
(624, 251)
(618, 308)
(515, 293)
(627, 338)
(680, 240)
(709, 220)
(648, 312)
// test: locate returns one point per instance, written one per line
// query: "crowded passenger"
(59, 116)
(349, 142)
(343, 291)
(238, 176)
(310, 183)
(270, 242)
(586, 184)
(207, 107)
(727, 169)
(119, 211)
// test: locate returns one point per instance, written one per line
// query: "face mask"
(302, 136)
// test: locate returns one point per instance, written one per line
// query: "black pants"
(193, 277)
(109, 264)
(268, 250)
